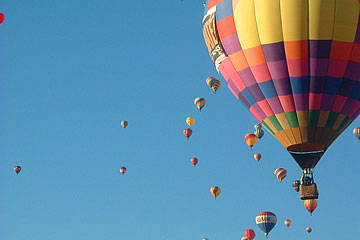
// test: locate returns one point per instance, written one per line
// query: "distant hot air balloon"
(310, 205)
(194, 161)
(124, 124)
(309, 229)
(205, 239)
(215, 191)
(259, 133)
(280, 173)
(213, 83)
(250, 234)
(2, 17)
(123, 170)
(200, 103)
(190, 121)
(244, 238)
(288, 222)
(250, 139)
(187, 132)
(266, 221)
(294, 65)
(296, 185)
(17, 169)
(356, 132)
(257, 156)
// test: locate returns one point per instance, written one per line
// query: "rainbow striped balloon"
(199, 102)
(356, 132)
(294, 64)
(280, 173)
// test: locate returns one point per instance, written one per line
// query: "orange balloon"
(215, 191)
(310, 205)
(288, 222)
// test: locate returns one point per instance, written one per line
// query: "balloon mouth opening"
(307, 155)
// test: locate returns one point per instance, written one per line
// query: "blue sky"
(71, 71)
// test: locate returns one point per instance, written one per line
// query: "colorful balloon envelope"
(309, 229)
(310, 205)
(190, 121)
(123, 170)
(250, 139)
(280, 173)
(257, 156)
(124, 124)
(266, 221)
(2, 18)
(293, 64)
(356, 132)
(194, 161)
(215, 191)
(259, 133)
(257, 126)
(244, 238)
(200, 103)
(17, 169)
(296, 185)
(288, 222)
(205, 239)
(187, 132)
(213, 83)
(250, 234)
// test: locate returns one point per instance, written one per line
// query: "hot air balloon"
(190, 121)
(123, 170)
(250, 140)
(215, 191)
(266, 221)
(194, 161)
(257, 156)
(199, 102)
(205, 239)
(257, 126)
(288, 222)
(250, 234)
(17, 169)
(280, 173)
(309, 229)
(213, 83)
(2, 17)
(294, 64)
(259, 133)
(310, 205)
(356, 132)
(244, 238)
(124, 124)
(187, 132)
(296, 185)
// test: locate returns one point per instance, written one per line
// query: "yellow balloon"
(124, 124)
(244, 238)
(205, 239)
(190, 121)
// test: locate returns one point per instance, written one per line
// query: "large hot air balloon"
(310, 205)
(215, 191)
(356, 132)
(194, 161)
(124, 124)
(187, 132)
(190, 121)
(199, 102)
(213, 83)
(288, 222)
(17, 169)
(123, 170)
(309, 229)
(257, 156)
(250, 234)
(280, 173)
(2, 17)
(295, 65)
(266, 221)
(250, 139)
(296, 185)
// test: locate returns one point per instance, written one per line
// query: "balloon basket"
(309, 192)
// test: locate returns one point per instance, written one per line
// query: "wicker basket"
(309, 192)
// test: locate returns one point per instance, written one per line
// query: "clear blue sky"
(71, 71)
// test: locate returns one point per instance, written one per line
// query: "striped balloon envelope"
(356, 132)
(199, 102)
(294, 64)
(266, 221)
(280, 173)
